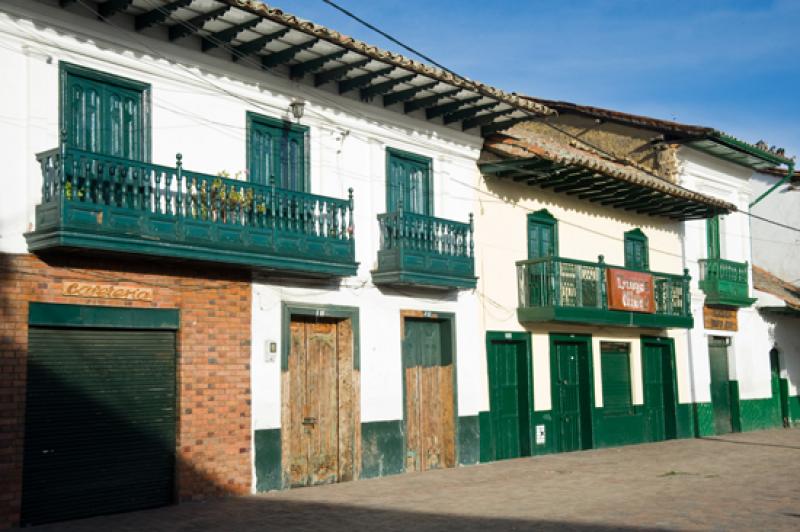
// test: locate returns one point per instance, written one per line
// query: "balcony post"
(601, 264)
(61, 165)
(401, 225)
(471, 235)
(179, 174)
(686, 299)
(272, 212)
(351, 230)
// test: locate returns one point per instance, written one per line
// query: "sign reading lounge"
(630, 291)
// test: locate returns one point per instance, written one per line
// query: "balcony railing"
(107, 203)
(560, 289)
(725, 282)
(424, 250)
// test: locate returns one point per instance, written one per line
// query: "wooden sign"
(631, 291)
(721, 319)
(108, 291)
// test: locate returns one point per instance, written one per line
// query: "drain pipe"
(789, 174)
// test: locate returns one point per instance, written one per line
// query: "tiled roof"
(506, 147)
(767, 282)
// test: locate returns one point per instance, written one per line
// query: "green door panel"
(541, 239)
(720, 387)
(277, 150)
(408, 183)
(712, 238)
(104, 118)
(100, 422)
(572, 395)
(510, 397)
(659, 390)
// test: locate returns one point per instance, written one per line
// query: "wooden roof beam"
(339, 72)
(256, 45)
(192, 26)
(370, 91)
(407, 94)
(287, 54)
(299, 70)
(427, 101)
(605, 192)
(484, 119)
(111, 7)
(158, 15)
(500, 126)
(227, 35)
(469, 112)
(433, 112)
(346, 85)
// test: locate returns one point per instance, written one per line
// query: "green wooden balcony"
(425, 251)
(725, 282)
(568, 290)
(93, 201)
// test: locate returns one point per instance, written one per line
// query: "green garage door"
(100, 422)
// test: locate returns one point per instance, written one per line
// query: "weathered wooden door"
(318, 405)
(509, 397)
(572, 396)
(428, 368)
(720, 385)
(659, 391)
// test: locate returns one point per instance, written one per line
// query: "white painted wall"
(585, 230)
(747, 360)
(199, 105)
(772, 244)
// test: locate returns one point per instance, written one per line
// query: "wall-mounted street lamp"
(297, 107)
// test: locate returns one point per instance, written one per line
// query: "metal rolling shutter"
(100, 422)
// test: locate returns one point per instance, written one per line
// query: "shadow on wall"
(266, 513)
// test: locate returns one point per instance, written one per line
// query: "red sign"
(631, 291)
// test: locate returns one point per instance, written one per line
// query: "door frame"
(585, 339)
(662, 341)
(513, 336)
(309, 310)
(450, 319)
(65, 69)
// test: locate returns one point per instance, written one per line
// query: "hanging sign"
(631, 291)
(721, 319)
(107, 291)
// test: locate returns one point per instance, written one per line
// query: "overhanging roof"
(591, 177)
(772, 284)
(253, 33)
(707, 139)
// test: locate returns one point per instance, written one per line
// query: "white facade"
(199, 105)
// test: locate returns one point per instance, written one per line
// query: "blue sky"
(730, 64)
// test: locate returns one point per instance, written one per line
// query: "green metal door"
(659, 391)
(278, 151)
(99, 422)
(103, 117)
(572, 396)
(720, 384)
(509, 398)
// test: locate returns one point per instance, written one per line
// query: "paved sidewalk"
(745, 481)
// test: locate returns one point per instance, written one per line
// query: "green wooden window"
(636, 250)
(104, 114)
(712, 237)
(542, 235)
(409, 182)
(615, 362)
(277, 150)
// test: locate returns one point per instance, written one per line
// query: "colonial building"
(605, 372)
(238, 255)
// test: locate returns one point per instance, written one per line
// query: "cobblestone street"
(742, 481)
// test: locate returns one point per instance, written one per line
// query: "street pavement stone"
(748, 481)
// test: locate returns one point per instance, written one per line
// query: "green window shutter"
(712, 237)
(616, 377)
(277, 150)
(636, 250)
(542, 235)
(103, 117)
(408, 180)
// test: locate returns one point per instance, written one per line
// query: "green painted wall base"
(685, 420)
(760, 414)
(382, 448)
(614, 429)
(267, 445)
(543, 420)
(794, 410)
(703, 419)
(469, 435)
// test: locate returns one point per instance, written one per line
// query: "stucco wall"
(771, 242)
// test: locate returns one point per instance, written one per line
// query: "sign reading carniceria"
(109, 291)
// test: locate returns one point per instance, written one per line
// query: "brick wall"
(213, 453)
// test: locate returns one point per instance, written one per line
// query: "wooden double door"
(320, 403)
(429, 394)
